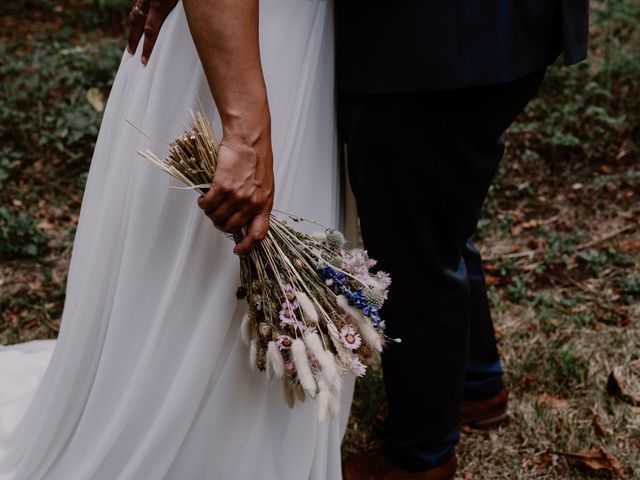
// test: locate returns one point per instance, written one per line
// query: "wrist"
(248, 124)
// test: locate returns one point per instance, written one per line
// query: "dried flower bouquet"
(313, 306)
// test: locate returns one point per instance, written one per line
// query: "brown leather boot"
(377, 467)
(485, 413)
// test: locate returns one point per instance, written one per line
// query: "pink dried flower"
(289, 292)
(358, 368)
(284, 342)
(287, 313)
(306, 330)
(384, 278)
(350, 338)
(357, 262)
(289, 368)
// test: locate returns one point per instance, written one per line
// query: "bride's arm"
(225, 33)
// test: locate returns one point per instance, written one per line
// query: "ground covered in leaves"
(560, 233)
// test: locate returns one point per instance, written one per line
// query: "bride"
(148, 378)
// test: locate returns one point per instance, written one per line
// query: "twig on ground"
(582, 246)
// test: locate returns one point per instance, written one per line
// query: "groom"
(426, 90)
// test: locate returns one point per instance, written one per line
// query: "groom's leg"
(420, 165)
(483, 376)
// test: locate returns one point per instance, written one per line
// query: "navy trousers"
(420, 165)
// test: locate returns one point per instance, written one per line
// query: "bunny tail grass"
(275, 363)
(302, 365)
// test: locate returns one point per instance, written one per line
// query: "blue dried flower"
(370, 310)
(327, 273)
(360, 300)
(349, 295)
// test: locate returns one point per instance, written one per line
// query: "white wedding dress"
(149, 379)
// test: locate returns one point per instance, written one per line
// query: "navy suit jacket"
(391, 46)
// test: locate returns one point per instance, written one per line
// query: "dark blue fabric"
(420, 165)
(387, 46)
(483, 375)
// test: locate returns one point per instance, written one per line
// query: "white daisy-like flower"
(350, 338)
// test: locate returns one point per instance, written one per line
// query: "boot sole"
(487, 421)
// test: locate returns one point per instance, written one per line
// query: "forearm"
(225, 33)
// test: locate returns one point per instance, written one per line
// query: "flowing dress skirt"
(148, 378)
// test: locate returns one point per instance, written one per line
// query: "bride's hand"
(241, 193)
(147, 16)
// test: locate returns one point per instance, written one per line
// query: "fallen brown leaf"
(45, 225)
(490, 280)
(538, 462)
(491, 268)
(613, 316)
(624, 383)
(528, 225)
(630, 246)
(599, 428)
(597, 459)
(553, 402)
(627, 193)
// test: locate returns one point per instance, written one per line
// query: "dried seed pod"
(265, 330)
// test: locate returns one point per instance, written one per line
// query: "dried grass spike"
(324, 358)
(370, 335)
(288, 394)
(298, 392)
(301, 362)
(353, 312)
(253, 356)
(275, 362)
(308, 307)
(323, 405)
(246, 329)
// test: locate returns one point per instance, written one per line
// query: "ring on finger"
(139, 11)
